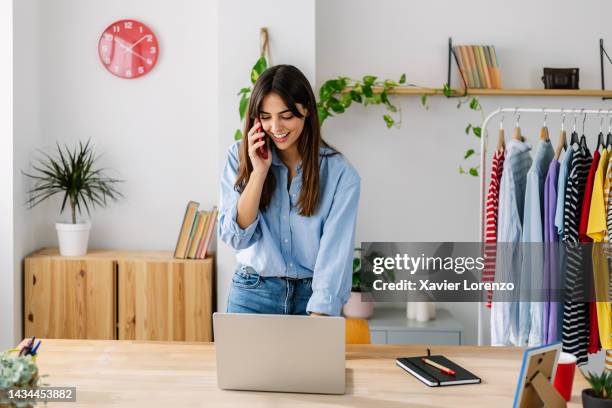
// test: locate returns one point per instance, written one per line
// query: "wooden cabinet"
(70, 299)
(165, 300)
(130, 295)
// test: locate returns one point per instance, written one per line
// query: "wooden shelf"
(502, 92)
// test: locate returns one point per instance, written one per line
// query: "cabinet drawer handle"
(33, 280)
(30, 317)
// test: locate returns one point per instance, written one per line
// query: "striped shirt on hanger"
(488, 273)
(575, 314)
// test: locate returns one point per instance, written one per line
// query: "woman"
(291, 216)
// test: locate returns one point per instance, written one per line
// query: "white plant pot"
(358, 306)
(73, 238)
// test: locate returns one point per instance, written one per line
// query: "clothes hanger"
(517, 129)
(574, 137)
(600, 136)
(562, 138)
(583, 142)
(501, 142)
(609, 136)
(544, 131)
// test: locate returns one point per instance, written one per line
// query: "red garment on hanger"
(594, 345)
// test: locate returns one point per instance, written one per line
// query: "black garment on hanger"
(600, 141)
(574, 138)
(583, 142)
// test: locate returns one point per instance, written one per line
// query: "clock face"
(128, 49)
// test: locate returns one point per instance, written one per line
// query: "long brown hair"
(292, 86)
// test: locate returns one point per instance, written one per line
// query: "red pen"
(440, 367)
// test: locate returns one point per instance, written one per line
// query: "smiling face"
(277, 120)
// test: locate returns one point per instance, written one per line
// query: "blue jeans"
(252, 293)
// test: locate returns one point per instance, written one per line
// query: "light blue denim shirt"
(504, 315)
(280, 242)
(561, 183)
(531, 314)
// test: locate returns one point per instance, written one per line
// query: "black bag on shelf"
(560, 78)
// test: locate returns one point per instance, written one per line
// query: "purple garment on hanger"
(551, 253)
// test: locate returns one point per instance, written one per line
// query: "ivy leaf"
(384, 97)
(346, 100)
(389, 83)
(326, 91)
(259, 67)
(237, 134)
(468, 153)
(402, 79)
(388, 120)
(461, 171)
(367, 91)
(244, 91)
(424, 101)
(355, 96)
(448, 92)
(244, 103)
(474, 105)
(323, 113)
(477, 131)
(474, 172)
(468, 128)
(336, 105)
(368, 80)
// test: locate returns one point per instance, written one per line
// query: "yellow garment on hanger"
(597, 230)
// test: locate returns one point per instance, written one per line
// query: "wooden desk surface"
(171, 374)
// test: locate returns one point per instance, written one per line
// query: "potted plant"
(74, 174)
(16, 372)
(600, 393)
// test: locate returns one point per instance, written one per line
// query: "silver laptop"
(280, 353)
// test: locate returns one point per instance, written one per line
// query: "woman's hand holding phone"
(259, 153)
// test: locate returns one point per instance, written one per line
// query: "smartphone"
(262, 151)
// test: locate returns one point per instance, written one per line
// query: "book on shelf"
(208, 237)
(479, 65)
(197, 236)
(196, 233)
(185, 231)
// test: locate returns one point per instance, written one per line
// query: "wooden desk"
(171, 374)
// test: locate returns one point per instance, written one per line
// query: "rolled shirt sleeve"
(228, 229)
(332, 276)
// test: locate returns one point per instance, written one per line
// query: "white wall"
(411, 190)
(158, 132)
(8, 301)
(291, 26)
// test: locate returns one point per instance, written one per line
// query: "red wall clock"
(128, 49)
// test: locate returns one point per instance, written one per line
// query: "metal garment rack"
(483, 174)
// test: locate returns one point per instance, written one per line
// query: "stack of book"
(479, 66)
(197, 232)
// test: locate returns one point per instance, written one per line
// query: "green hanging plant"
(337, 95)
(245, 93)
(474, 104)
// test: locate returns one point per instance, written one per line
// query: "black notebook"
(432, 376)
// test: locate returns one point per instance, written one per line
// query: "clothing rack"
(483, 173)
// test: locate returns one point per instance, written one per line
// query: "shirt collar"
(278, 162)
